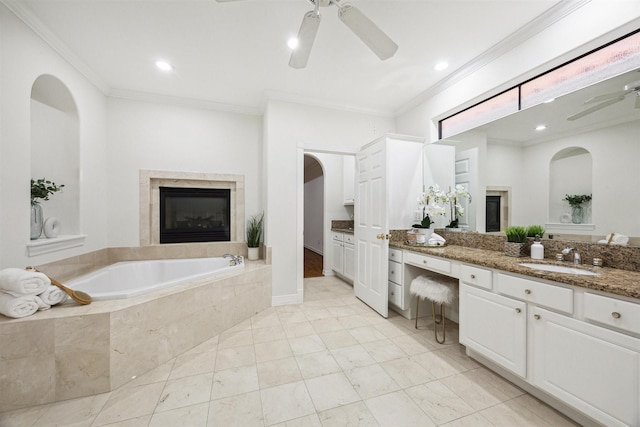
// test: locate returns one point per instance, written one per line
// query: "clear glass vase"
(36, 221)
(577, 214)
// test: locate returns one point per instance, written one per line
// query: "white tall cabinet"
(389, 178)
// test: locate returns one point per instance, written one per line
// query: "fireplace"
(195, 215)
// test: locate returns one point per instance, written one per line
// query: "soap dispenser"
(537, 250)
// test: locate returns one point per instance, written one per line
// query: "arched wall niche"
(570, 172)
(55, 149)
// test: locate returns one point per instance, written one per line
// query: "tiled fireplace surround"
(72, 351)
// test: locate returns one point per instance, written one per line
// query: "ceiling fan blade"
(306, 37)
(595, 108)
(608, 96)
(367, 31)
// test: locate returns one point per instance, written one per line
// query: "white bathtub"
(131, 278)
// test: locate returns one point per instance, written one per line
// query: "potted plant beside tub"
(254, 233)
(516, 244)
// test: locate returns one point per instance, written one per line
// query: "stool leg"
(436, 317)
(435, 324)
(417, 308)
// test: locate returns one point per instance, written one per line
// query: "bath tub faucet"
(235, 260)
(577, 259)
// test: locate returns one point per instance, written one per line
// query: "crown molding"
(31, 21)
(515, 39)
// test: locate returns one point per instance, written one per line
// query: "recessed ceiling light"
(541, 127)
(164, 65)
(442, 65)
(292, 43)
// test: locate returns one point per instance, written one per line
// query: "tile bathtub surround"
(293, 371)
(74, 351)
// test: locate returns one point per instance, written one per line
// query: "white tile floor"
(330, 361)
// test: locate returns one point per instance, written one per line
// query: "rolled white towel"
(41, 304)
(52, 295)
(23, 282)
(18, 307)
(436, 240)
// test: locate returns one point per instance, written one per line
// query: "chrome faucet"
(577, 259)
(235, 260)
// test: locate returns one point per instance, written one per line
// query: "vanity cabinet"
(343, 255)
(593, 369)
(396, 284)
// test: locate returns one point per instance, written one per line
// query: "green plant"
(534, 230)
(577, 199)
(254, 230)
(516, 234)
(43, 188)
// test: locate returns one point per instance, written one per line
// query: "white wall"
(23, 58)
(145, 135)
(314, 214)
(289, 129)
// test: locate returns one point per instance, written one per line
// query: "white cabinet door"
(370, 224)
(349, 261)
(338, 257)
(494, 326)
(593, 369)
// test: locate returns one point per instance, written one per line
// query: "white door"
(371, 228)
(590, 368)
(466, 169)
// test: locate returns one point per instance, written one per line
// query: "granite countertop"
(612, 280)
(342, 230)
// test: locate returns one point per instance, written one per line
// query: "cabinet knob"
(392, 272)
(393, 255)
(616, 315)
(424, 261)
(518, 310)
(473, 276)
(527, 291)
(393, 293)
(536, 316)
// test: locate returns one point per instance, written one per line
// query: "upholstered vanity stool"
(438, 292)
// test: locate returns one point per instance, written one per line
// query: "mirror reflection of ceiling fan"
(357, 22)
(608, 99)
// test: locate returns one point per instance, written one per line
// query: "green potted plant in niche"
(576, 202)
(516, 244)
(41, 189)
(254, 233)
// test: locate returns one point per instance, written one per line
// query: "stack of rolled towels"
(23, 292)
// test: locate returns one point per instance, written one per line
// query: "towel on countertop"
(436, 240)
(53, 295)
(18, 307)
(615, 239)
(19, 282)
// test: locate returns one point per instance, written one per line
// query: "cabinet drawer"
(348, 238)
(552, 296)
(613, 312)
(476, 276)
(428, 262)
(395, 255)
(337, 236)
(395, 294)
(395, 272)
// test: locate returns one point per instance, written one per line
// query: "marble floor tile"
(389, 330)
(371, 381)
(337, 339)
(271, 333)
(301, 329)
(192, 416)
(277, 372)
(193, 364)
(407, 372)
(413, 344)
(272, 350)
(354, 356)
(547, 413)
(130, 402)
(316, 364)
(306, 421)
(185, 391)
(289, 318)
(354, 415)
(22, 417)
(74, 412)
(306, 344)
(286, 402)
(208, 345)
(354, 321)
(133, 422)
(384, 350)
(364, 334)
(236, 338)
(241, 410)
(438, 402)
(234, 381)
(264, 321)
(473, 420)
(326, 325)
(397, 409)
(329, 391)
(236, 356)
(342, 310)
(479, 389)
(321, 313)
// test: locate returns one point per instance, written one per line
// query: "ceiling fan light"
(164, 65)
(440, 66)
(293, 43)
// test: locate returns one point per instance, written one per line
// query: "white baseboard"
(285, 299)
(316, 250)
(328, 272)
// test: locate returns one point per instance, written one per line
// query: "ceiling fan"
(610, 99)
(357, 22)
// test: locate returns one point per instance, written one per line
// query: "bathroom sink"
(558, 269)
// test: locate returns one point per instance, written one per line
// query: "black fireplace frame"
(193, 235)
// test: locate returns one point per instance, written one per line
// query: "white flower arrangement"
(432, 203)
(454, 196)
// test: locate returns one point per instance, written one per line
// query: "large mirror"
(534, 169)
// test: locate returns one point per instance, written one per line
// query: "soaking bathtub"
(131, 278)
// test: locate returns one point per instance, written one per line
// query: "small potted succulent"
(516, 244)
(254, 233)
(40, 189)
